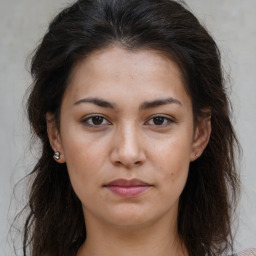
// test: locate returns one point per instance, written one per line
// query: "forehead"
(116, 72)
(137, 62)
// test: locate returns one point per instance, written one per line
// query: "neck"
(155, 239)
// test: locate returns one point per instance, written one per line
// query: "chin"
(132, 217)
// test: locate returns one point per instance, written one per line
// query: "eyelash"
(166, 119)
(85, 121)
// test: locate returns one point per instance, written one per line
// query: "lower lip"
(132, 191)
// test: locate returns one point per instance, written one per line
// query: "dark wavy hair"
(55, 223)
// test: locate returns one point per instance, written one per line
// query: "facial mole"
(131, 76)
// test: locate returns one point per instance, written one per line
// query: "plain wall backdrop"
(23, 23)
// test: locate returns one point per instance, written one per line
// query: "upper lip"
(127, 183)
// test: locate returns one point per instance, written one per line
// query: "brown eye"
(160, 121)
(95, 121)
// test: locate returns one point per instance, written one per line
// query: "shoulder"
(247, 252)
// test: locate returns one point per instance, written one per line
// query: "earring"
(196, 155)
(56, 155)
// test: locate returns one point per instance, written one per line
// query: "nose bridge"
(129, 138)
(128, 148)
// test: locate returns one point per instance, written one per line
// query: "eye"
(95, 121)
(159, 120)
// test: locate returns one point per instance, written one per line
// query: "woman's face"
(127, 136)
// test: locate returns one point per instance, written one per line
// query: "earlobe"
(54, 137)
(201, 137)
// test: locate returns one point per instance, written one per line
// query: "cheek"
(173, 170)
(84, 159)
(172, 179)
(173, 159)
(173, 154)
(82, 150)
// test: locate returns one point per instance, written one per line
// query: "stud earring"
(56, 155)
(196, 155)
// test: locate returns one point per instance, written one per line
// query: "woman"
(138, 150)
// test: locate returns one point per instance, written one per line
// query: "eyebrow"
(97, 101)
(159, 102)
(146, 105)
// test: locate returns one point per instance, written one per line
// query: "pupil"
(97, 120)
(158, 120)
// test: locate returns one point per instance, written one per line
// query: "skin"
(128, 141)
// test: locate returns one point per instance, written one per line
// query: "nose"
(127, 150)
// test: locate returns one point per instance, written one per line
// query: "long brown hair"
(55, 224)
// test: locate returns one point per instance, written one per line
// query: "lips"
(127, 183)
(128, 188)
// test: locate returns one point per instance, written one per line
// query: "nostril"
(129, 165)
(118, 163)
(137, 163)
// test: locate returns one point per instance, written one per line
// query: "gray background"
(23, 22)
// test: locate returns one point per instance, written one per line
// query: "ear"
(54, 137)
(201, 136)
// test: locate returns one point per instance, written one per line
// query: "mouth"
(128, 188)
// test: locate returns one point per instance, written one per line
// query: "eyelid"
(85, 119)
(168, 118)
